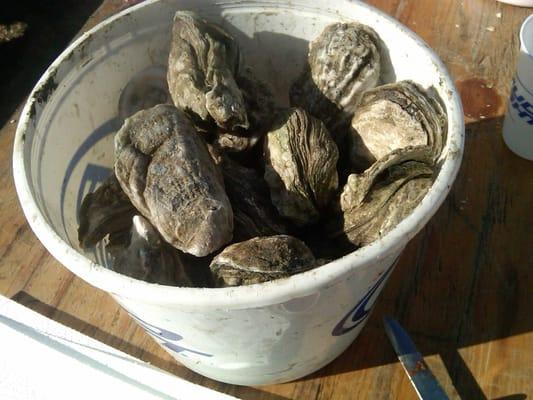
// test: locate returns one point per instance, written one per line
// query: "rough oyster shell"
(392, 117)
(253, 213)
(105, 211)
(374, 202)
(164, 167)
(343, 62)
(261, 259)
(301, 160)
(202, 63)
(234, 142)
(145, 256)
(260, 109)
(258, 99)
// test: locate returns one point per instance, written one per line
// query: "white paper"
(42, 359)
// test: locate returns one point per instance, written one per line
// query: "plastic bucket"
(258, 334)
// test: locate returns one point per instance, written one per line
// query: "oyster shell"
(202, 63)
(359, 185)
(259, 103)
(146, 89)
(105, 211)
(164, 167)
(234, 142)
(301, 160)
(392, 117)
(145, 256)
(374, 202)
(258, 99)
(261, 259)
(343, 62)
(253, 213)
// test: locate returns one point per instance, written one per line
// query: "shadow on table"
(114, 341)
(50, 27)
(465, 279)
(463, 380)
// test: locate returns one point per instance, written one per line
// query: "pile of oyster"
(215, 185)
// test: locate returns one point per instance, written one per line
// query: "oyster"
(234, 142)
(261, 259)
(259, 103)
(105, 211)
(202, 63)
(145, 256)
(301, 166)
(164, 167)
(359, 185)
(253, 213)
(392, 117)
(374, 202)
(258, 99)
(146, 89)
(343, 62)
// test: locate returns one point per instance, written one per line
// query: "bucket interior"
(69, 143)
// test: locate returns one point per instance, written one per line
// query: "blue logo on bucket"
(524, 108)
(362, 309)
(168, 339)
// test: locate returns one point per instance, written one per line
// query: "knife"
(426, 385)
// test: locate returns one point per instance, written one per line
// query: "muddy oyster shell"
(253, 213)
(202, 63)
(343, 62)
(164, 167)
(261, 259)
(105, 211)
(374, 202)
(259, 100)
(146, 89)
(260, 109)
(392, 117)
(301, 160)
(146, 256)
(234, 142)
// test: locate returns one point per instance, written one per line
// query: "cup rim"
(255, 295)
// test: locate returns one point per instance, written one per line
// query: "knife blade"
(426, 385)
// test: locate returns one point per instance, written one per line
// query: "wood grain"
(462, 287)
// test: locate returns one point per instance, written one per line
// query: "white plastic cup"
(520, 3)
(518, 123)
(257, 334)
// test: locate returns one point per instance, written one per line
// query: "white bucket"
(258, 334)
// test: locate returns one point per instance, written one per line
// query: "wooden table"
(463, 287)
